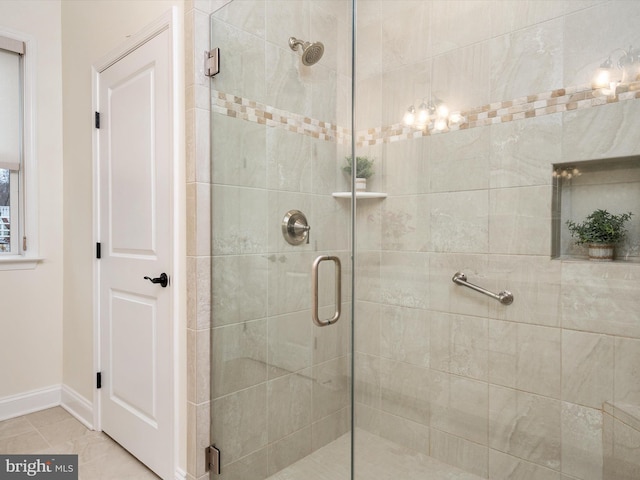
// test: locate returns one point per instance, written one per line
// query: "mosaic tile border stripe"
(547, 103)
(252, 111)
(561, 100)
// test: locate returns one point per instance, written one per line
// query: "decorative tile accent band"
(561, 100)
(252, 111)
(555, 101)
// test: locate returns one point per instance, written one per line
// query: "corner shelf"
(360, 195)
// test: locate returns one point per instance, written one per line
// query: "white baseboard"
(180, 474)
(77, 405)
(29, 402)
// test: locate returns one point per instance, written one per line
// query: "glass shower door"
(280, 385)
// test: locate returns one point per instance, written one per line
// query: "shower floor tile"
(375, 458)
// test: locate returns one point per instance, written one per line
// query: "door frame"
(169, 21)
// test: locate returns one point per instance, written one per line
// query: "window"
(18, 166)
(11, 105)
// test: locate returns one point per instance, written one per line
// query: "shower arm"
(504, 297)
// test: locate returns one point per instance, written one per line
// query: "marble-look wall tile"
(246, 16)
(289, 450)
(369, 39)
(239, 356)
(459, 345)
(331, 387)
(527, 61)
(404, 335)
(289, 160)
(290, 340)
(512, 16)
(369, 88)
(238, 152)
(595, 133)
(367, 380)
(455, 24)
(460, 222)
(239, 215)
(199, 219)
(507, 467)
(331, 427)
(290, 283)
(582, 452)
(244, 62)
(405, 32)
(624, 463)
(402, 165)
(332, 24)
(326, 158)
(536, 351)
(461, 77)
(288, 404)
(239, 423)
(368, 282)
(535, 283)
(409, 434)
(460, 160)
(460, 406)
(627, 371)
(405, 223)
(462, 453)
(587, 368)
(404, 279)
(592, 34)
(520, 220)
(240, 292)
(368, 328)
(404, 86)
(334, 341)
(526, 426)
(598, 298)
(523, 152)
(285, 19)
(251, 467)
(287, 81)
(405, 390)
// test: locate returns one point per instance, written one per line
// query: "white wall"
(89, 31)
(31, 300)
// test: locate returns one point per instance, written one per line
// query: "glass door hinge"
(213, 459)
(212, 62)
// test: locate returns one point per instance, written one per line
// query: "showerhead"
(311, 51)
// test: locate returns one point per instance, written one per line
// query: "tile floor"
(56, 431)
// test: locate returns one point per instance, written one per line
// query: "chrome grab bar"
(505, 297)
(314, 289)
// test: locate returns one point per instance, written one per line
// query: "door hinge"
(98, 250)
(212, 62)
(99, 380)
(24, 244)
(213, 459)
(97, 120)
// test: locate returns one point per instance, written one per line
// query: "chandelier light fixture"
(433, 115)
(626, 69)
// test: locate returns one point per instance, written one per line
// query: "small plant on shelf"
(601, 230)
(364, 166)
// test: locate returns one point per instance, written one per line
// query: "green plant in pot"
(600, 231)
(364, 169)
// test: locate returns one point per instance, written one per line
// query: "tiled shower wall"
(511, 392)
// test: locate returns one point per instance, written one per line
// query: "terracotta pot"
(601, 252)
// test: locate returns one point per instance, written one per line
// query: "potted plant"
(364, 169)
(600, 232)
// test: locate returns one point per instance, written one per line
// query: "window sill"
(18, 262)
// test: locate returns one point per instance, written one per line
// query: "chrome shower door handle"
(315, 315)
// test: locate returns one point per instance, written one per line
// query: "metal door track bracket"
(213, 459)
(212, 62)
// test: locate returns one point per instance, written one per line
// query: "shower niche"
(579, 188)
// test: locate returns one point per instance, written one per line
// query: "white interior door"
(135, 165)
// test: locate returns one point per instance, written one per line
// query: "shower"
(311, 51)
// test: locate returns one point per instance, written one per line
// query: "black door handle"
(163, 280)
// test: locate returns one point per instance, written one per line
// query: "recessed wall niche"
(611, 184)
